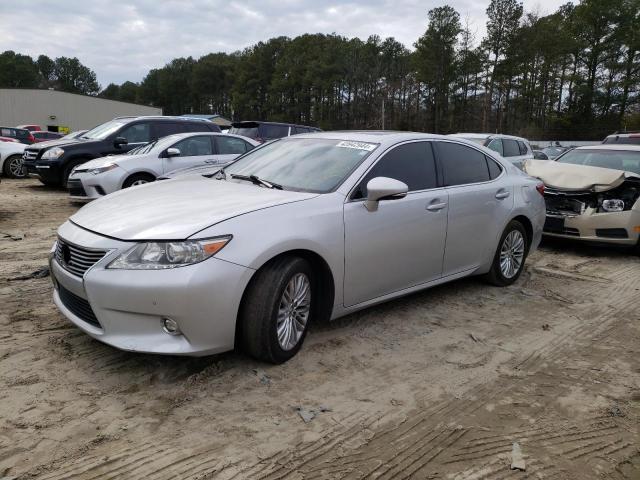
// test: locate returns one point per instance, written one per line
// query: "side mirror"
(173, 152)
(119, 141)
(384, 188)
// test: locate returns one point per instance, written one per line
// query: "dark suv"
(265, 131)
(53, 161)
(21, 134)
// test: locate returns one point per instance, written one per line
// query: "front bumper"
(84, 186)
(130, 305)
(619, 228)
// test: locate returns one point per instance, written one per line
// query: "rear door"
(401, 244)
(480, 202)
(196, 150)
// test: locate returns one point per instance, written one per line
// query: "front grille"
(78, 306)
(75, 188)
(612, 233)
(30, 154)
(75, 259)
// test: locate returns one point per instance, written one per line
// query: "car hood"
(566, 176)
(178, 208)
(67, 142)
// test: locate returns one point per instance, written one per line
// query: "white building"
(61, 111)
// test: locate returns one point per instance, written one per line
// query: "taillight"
(540, 188)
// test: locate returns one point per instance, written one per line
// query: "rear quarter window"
(274, 131)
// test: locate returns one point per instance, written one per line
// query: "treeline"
(573, 74)
(62, 73)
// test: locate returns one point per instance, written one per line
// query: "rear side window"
(231, 146)
(461, 164)
(164, 129)
(496, 146)
(298, 130)
(523, 147)
(411, 163)
(273, 131)
(511, 148)
(202, 127)
(494, 168)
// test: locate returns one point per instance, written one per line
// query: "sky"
(123, 39)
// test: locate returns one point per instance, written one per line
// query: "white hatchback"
(101, 176)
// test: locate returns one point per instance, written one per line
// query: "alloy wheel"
(293, 311)
(15, 167)
(512, 254)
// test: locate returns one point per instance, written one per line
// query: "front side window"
(614, 159)
(303, 164)
(411, 163)
(511, 148)
(462, 165)
(231, 146)
(268, 131)
(164, 129)
(137, 133)
(496, 146)
(194, 146)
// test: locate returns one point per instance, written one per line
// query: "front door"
(196, 150)
(401, 244)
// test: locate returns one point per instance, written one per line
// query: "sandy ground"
(436, 385)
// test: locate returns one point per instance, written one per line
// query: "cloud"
(123, 39)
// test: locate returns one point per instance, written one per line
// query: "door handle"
(434, 207)
(502, 194)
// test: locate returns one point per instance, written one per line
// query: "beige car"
(592, 194)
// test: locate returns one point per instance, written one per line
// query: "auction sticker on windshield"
(369, 147)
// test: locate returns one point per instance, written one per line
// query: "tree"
(72, 76)
(18, 71)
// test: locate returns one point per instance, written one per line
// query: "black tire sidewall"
(135, 177)
(7, 170)
(496, 270)
(297, 265)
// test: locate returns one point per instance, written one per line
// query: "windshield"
(304, 164)
(614, 159)
(103, 131)
(554, 151)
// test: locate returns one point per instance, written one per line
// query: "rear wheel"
(276, 309)
(138, 179)
(509, 258)
(13, 167)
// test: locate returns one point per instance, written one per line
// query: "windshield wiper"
(257, 181)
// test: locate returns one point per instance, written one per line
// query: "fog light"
(613, 205)
(171, 326)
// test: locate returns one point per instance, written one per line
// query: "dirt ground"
(437, 385)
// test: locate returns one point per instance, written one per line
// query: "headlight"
(53, 154)
(162, 255)
(104, 168)
(613, 205)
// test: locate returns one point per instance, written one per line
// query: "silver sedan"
(302, 229)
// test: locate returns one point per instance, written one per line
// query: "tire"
(264, 313)
(12, 167)
(508, 261)
(138, 179)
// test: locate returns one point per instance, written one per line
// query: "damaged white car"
(593, 194)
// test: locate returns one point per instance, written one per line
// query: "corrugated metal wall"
(61, 109)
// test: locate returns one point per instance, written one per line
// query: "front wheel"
(276, 309)
(137, 179)
(13, 167)
(509, 258)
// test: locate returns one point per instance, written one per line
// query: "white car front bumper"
(85, 186)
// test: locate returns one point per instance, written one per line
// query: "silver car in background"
(515, 149)
(306, 228)
(101, 176)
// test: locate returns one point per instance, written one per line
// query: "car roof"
(163, 117)
(487, 135)
(260, 122)
(611, 146)
(382, 137)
